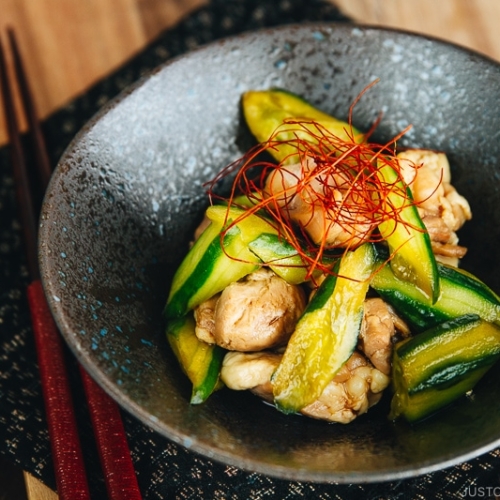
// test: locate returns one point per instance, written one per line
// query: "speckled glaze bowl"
(128, 193)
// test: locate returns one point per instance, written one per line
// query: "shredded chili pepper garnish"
(327, 182)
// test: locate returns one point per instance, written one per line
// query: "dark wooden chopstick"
(114, 454)
(26, 209)
(41, 156)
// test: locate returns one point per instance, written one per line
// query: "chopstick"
(68, 460)
(114, 454)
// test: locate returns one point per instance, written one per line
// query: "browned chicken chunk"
(442, 209)
(356, 387)
(380, 324)
(256, 313)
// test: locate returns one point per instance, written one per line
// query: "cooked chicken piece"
(442, 209)
(402, 329)
(204, 317)
(258, 312)
(447, 253)
(248, 370)
(322, 203)
(379, 326)
(356, 387)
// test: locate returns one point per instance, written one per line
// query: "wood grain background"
(70, 44)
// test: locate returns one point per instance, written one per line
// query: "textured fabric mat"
(164, 469)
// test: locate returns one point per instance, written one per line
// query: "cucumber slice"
(327, 333)
(283, 258)
(407, 237)
(200, 361)
(461, 293)
(434, 368)
(211, 264)
(266, 111)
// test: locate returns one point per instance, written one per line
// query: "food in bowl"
(330, 274)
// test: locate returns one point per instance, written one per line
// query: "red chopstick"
(68, 460)
(114, 454)
(69, 467)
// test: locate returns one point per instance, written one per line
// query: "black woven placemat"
(164, 469)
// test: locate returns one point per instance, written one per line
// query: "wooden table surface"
(70, 44)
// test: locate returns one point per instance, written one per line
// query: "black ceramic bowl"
(128, 193)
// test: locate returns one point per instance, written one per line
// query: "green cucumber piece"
(461, 293)
(283, 258)
(326, 334)
(200, 361)
(248, 201)
(266, 110)
(406, 235)
(438, 366)
(211, 264)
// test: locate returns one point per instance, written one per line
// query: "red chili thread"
(329, 166)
